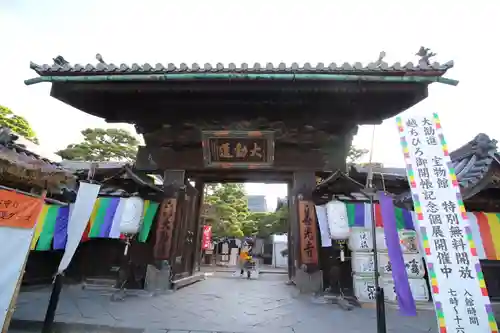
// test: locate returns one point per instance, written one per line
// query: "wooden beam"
(287, 158)
(241, 176)
(231, 86)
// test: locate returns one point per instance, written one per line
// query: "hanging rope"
(369, 177)
(372, 146)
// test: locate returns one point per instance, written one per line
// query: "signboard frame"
(210, 145)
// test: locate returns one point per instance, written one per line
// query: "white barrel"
(131, 217)
(418, 289)
(360, 240)
(409, 241)
(364, 288)
(413, 263)
(337, 220)
(381, 244)
(362, 263)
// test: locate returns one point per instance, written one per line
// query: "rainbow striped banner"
(440, 316)
(433, 279)
(425, 241)
(359, 215)
(446, 232)
(52, 224)
(482, 231)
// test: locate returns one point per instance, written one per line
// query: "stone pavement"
(221, 303)
(263, 269)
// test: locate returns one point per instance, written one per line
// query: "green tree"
(231, 209)
(355, 154)
(103, 145)
(266, 224)
(17, 124)
(232, 217)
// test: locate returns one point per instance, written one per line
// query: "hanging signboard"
(308, 233)
(164, 229)
(459, 291)
(207, 237)
(238, 149)
(18, 210)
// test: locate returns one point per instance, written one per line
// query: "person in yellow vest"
(244, 258)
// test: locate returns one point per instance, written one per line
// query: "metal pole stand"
(370, 192)
(48, 322)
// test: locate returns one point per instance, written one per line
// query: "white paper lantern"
(131, 218)
(337, 220)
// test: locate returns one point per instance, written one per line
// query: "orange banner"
(19, 210)
(308, 233)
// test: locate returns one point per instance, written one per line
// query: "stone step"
(99, 282)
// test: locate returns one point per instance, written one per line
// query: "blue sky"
(250, 31)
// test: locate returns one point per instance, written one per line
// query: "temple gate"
(238, 124)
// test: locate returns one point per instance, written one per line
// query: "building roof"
(23, 167)
(476, 165)
(373, 68)
(117, 178)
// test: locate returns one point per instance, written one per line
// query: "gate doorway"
(180, 226)
(239, 215)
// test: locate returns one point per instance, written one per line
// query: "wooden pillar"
(291, 235)
(308, 277)
(200, 186)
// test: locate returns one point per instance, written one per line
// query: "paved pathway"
(221, 303)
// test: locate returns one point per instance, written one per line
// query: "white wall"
(280, 243)
(278, 259)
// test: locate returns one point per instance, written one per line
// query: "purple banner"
(108, 218)
(402, 286)
(61, 229)
(359, 215)
(408, 220)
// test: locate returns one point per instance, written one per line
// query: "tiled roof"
(62, 67)
(108, 170)
(473, 164)
(25, 166)
(14, 143)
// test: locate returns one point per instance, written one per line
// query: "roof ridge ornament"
(380, 59)
(425, 55)
(60, 61)
(99, 58)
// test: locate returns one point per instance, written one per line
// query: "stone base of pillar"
(308, 283)
(158, 280)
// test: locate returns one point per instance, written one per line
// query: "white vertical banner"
(324, 229)
(78, 219)
(19, 214)
(14, 245)
(459, 291)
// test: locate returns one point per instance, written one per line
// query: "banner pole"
(370, 191)
(48, 322)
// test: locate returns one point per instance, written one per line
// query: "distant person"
(244, 258)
